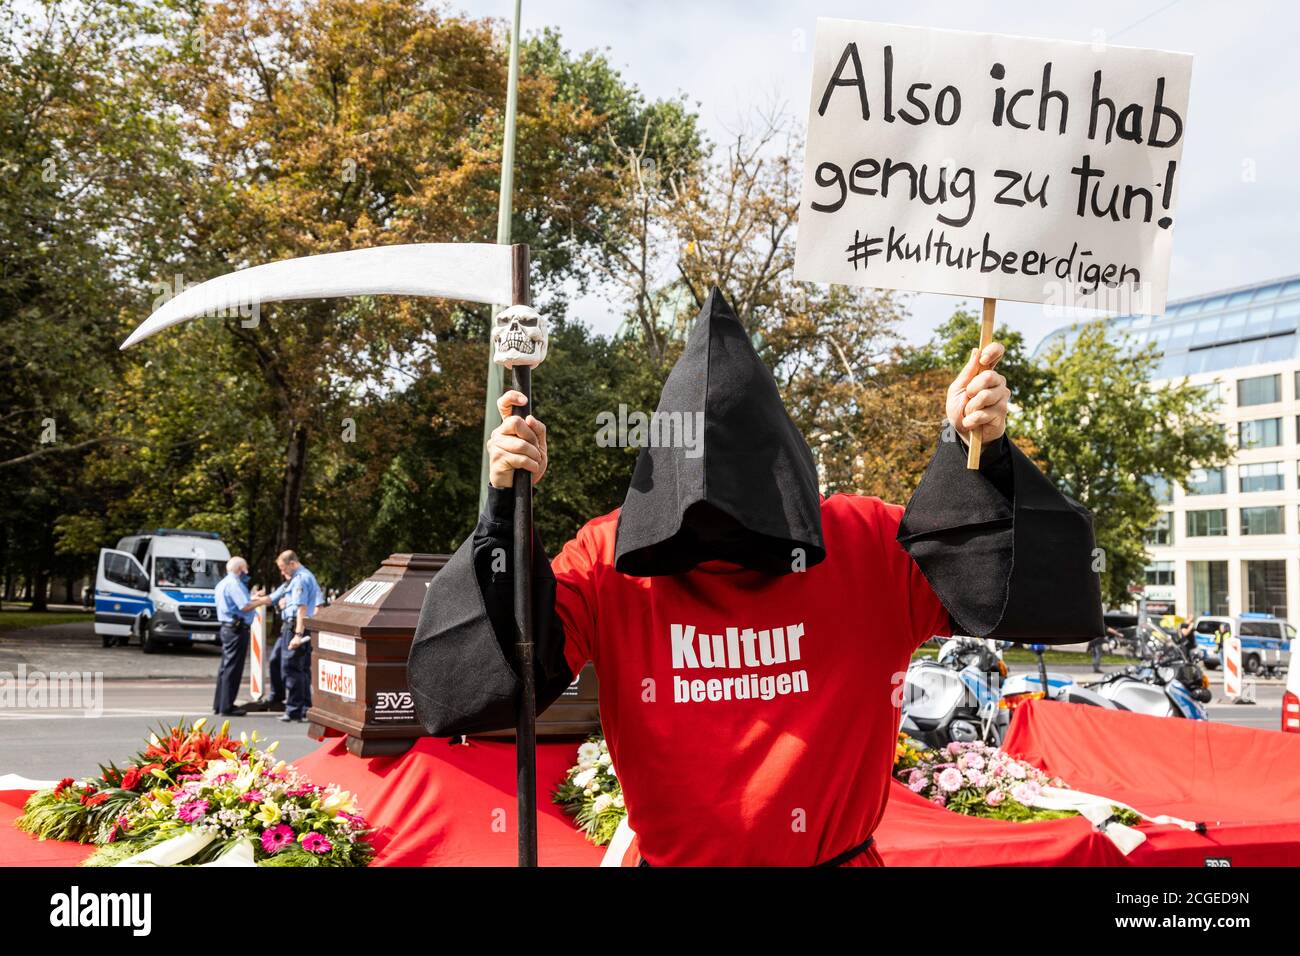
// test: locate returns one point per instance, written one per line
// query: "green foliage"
(11, 620)
(132, 153)
(191, 139)
(88, 173)
(1100, 430)
(950, 345)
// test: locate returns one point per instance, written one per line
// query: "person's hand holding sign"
(978, 397)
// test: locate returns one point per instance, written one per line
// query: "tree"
(88, 161)
(1101, 431)
(306, 128)
(951, 344)
(731, 223)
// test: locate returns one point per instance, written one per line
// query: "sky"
(1239, 190)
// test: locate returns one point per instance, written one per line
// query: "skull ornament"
(519, 337)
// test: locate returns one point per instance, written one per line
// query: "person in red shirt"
(750, 635)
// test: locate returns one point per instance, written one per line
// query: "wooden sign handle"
(986, 336)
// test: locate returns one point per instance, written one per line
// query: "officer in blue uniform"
(301, 595)
(235, 608)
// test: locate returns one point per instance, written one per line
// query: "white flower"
(604, 760)
(584, 778)
(587, 755)
(618, 801)
(602, 803)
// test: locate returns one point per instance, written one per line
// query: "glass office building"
(1229, 541)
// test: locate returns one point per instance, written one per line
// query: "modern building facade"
(1229, 542)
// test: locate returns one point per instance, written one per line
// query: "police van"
(158, 587)
(1265, 641)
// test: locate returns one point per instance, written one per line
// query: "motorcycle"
(1168, 683)
(955, 697)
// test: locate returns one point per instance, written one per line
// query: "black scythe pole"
(526, 728)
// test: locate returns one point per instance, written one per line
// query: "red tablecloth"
(22, 849)
(441, 805)
(445, 805)
(1242, 783)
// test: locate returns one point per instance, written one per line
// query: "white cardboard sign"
(994, 166)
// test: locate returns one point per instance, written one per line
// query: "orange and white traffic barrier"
(257, 649)
(1232, 667)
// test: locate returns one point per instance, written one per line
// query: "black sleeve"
(1009, 556)
(462, 670)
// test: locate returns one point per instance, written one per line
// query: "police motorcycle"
(1168, 682)
(955, 696)
(1019, 689)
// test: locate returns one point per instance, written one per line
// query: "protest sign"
(993, 166)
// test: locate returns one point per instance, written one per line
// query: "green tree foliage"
(88, 160)
(1100, 431)
(192, 139)
(950, 345)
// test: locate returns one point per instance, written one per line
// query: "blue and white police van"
(1265, 641)
(158, 587)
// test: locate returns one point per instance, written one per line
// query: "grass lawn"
(17, 619)
(1018, 655)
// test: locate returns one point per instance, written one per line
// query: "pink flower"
(971, 761)
(951, 779)
(277, 837)
(955, 747)
(253, 796)
(1025, 792)
(192, 811)
(354, 821)
(316, 843)
(994, 797)
(939, 799)
(976, 778)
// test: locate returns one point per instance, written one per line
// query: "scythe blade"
(474, 272)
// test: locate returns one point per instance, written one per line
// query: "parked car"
(158, 586)
(1265, 641)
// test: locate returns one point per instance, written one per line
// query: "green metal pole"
(491, 418)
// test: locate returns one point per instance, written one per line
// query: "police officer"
(299, 597)
(235, 614)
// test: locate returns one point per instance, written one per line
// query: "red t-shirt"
(752, 719)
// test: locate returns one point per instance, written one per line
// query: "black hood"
(746, 490)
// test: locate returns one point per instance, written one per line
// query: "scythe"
(473, 272)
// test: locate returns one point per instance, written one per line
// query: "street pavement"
(141, 691)
(136, 693)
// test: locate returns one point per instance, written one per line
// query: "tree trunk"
(45, 559)
(40, 585)
(295, 466)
